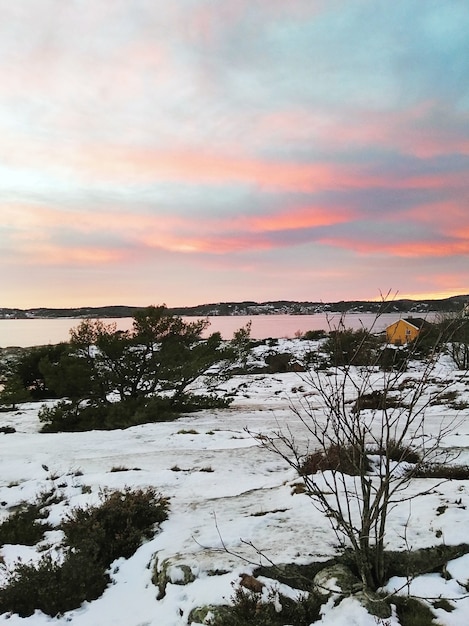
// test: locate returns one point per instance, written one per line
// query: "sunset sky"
(193, 151)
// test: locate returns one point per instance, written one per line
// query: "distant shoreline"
(275, 307)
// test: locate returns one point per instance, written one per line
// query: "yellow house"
(404, 330)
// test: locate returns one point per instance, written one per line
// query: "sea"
(34, 332)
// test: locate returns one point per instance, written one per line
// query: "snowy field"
(224, 489)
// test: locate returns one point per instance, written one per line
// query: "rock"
(206, 614)
(170, 572)
(336, 578)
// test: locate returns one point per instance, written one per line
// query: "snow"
(226, 491)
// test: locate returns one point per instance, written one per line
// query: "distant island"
(275, 307)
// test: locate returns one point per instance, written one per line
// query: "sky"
(210, 150)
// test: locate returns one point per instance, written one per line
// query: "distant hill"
(275, 307)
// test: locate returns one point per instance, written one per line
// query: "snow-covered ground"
(225, 490)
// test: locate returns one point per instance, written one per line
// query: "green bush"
(117, 527)
(53, 587)
(23, 526)
(441, 471)
(376, 401)
(69, 416)
(314, 335)
(412, 612)
(249, 610)
(351, 347)
(394, 358)
(94, 537)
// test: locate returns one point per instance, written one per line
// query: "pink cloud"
(408, 249)
(425, 130)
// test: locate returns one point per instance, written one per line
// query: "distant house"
(405, 330)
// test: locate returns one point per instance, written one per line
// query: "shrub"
(394, 358)
(22, 526)
(314, 335)
(441, 471)
(376, 400)
(446, 397)
(348, 460)
(96, 536)
(117, 527)
(395, 451)
(249, 610)
(71, 416)
(345, 347)
(53, 587)
(412, 612)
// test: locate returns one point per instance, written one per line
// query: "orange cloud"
(298, 218)
(408, 249)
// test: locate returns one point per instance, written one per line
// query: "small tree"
(456, 336)
(355, 412)
(26, 371)
(148, 367)
(241, 343)
(13, 392)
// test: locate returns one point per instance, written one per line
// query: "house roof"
(416, 322)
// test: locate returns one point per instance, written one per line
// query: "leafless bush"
(342, 427)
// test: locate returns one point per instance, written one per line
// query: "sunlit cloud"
(273, 146)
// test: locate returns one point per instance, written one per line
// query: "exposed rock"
(170, 572)
(423, 561)
(337, 578)
(206, 614)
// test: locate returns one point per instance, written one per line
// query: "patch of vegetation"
(346, 347)
(439, 470)
(446, 397)
(314, 335)
(376, 400)
(7, 430)
(396, 451)
(26, 525)
(459, 405)
(249, 609)
(443, 604)
(348, 460)
(53, 587)
(73, 416)
(95, 536)
(412, 612)
(396, 358)
(148, 368)
(117, 527)
(262, 513)
(279, 362)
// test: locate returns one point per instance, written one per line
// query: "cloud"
(326, 139)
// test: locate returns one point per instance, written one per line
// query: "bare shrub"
(357, 409)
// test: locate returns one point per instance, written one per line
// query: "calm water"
(35, 332)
